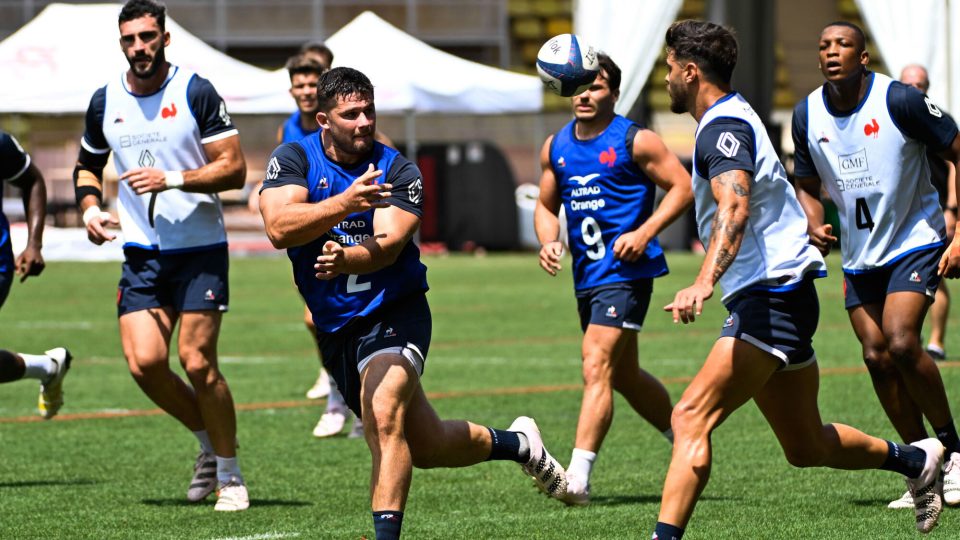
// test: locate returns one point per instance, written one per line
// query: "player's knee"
(385, 413)
(904, 349)
(877, 360)
(688, 420)
(199, 369)
(597, 369)
(144, 369)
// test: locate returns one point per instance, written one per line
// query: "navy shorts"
(6, 280)
(916, 271)
(780, 323)
(621, 305)
(403, 328)
(190, 281)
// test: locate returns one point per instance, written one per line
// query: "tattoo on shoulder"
(735, 180)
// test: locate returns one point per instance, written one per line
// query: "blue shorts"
(403, 328)
(780, 323)
(621, 305)
(6, 280)
(916, 271)
(190, 281)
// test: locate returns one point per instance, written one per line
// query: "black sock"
(947, 435)
(904, 459)
(11, 367)
(665, 531)
(387, 523)
(508, 445)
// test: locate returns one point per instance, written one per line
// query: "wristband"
(174, 179)
(951, 209)
(93, 212)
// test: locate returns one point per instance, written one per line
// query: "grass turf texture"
(505, 343)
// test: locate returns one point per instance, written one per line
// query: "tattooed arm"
(731, 190)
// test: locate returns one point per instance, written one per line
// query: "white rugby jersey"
(165, 130)
(775, 253)
(876, 174)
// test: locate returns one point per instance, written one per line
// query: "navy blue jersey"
(604, 195)
(336, 302)
(293, 131)
(13, 163)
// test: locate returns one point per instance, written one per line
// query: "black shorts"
(621, 305)
(780, 323)
(403, 328)
(6, 280)
(190, 281)
(915, 271)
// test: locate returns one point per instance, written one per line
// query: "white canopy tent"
(631, 33)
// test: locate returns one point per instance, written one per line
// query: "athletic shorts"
(6, 280)
(780, 323)
(915, 271)
(621, 305)
(403, 327)
(191, 281)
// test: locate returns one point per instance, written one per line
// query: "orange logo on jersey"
(872, 129)
(608, 157)
(169, 112)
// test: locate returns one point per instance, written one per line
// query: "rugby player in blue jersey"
(17, 168)
(346, 208)
(604, 170)
(757, 249)
(863, 137)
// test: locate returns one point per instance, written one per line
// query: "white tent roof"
(56, 61)
(410, 75)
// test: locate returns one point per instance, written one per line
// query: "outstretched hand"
(364, 193)
(688, 303)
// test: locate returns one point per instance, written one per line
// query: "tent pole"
(410, 128)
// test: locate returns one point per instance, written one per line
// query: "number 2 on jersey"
(353, 286)
(864, 219)
(593, 238)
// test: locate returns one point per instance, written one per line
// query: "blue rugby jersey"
(292, 131)
(334, 303)
(604, 195)
(14, 161)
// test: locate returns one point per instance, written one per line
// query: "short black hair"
(318, 48)
(301, 63)
(342, 82)
(857, 30)
(134, 9)
(611, 71)
(710, 46)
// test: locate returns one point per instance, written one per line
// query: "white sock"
(335, 401)
(228, 470)
(39, 366)
(668, 434)
(581, 463)
(204, 439)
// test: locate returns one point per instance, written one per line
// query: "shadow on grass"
(618, 500)
(212, 500)
(44, 483)
(882, 503)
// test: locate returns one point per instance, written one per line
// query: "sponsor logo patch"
(273, 169)
(915, 277)
(612, 312)
(608, 157)
(873, 128)
(727, 144)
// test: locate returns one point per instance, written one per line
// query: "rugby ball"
(567, 65)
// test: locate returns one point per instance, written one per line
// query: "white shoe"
(927, 489)
(905, 501)
(232, 496)
(204, 477)
(951, 480)
(320, 388)
(51, 392)
(578, 491)
(541, 466)
(356, 432)
(330, 424)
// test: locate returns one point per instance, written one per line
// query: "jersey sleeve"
(725, 144)
(93, 140)
(803, 165)
(13, 159)
(919, 118)
(209, 110)
(407, 190)
(287, 165)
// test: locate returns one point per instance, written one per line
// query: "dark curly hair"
(342, 82)
(134, 9)
(710, 46)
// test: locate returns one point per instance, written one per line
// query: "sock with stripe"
(947, 435)
(387, 523)
(904, 459)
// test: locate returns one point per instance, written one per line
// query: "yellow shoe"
(51, 392)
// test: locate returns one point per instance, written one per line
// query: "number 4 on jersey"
(864, 219)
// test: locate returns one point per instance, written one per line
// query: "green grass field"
(505, 343)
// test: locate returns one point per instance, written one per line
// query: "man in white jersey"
(757, 249)
(942, 174)
(175, 148)
(604, 170)
(863, 137)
